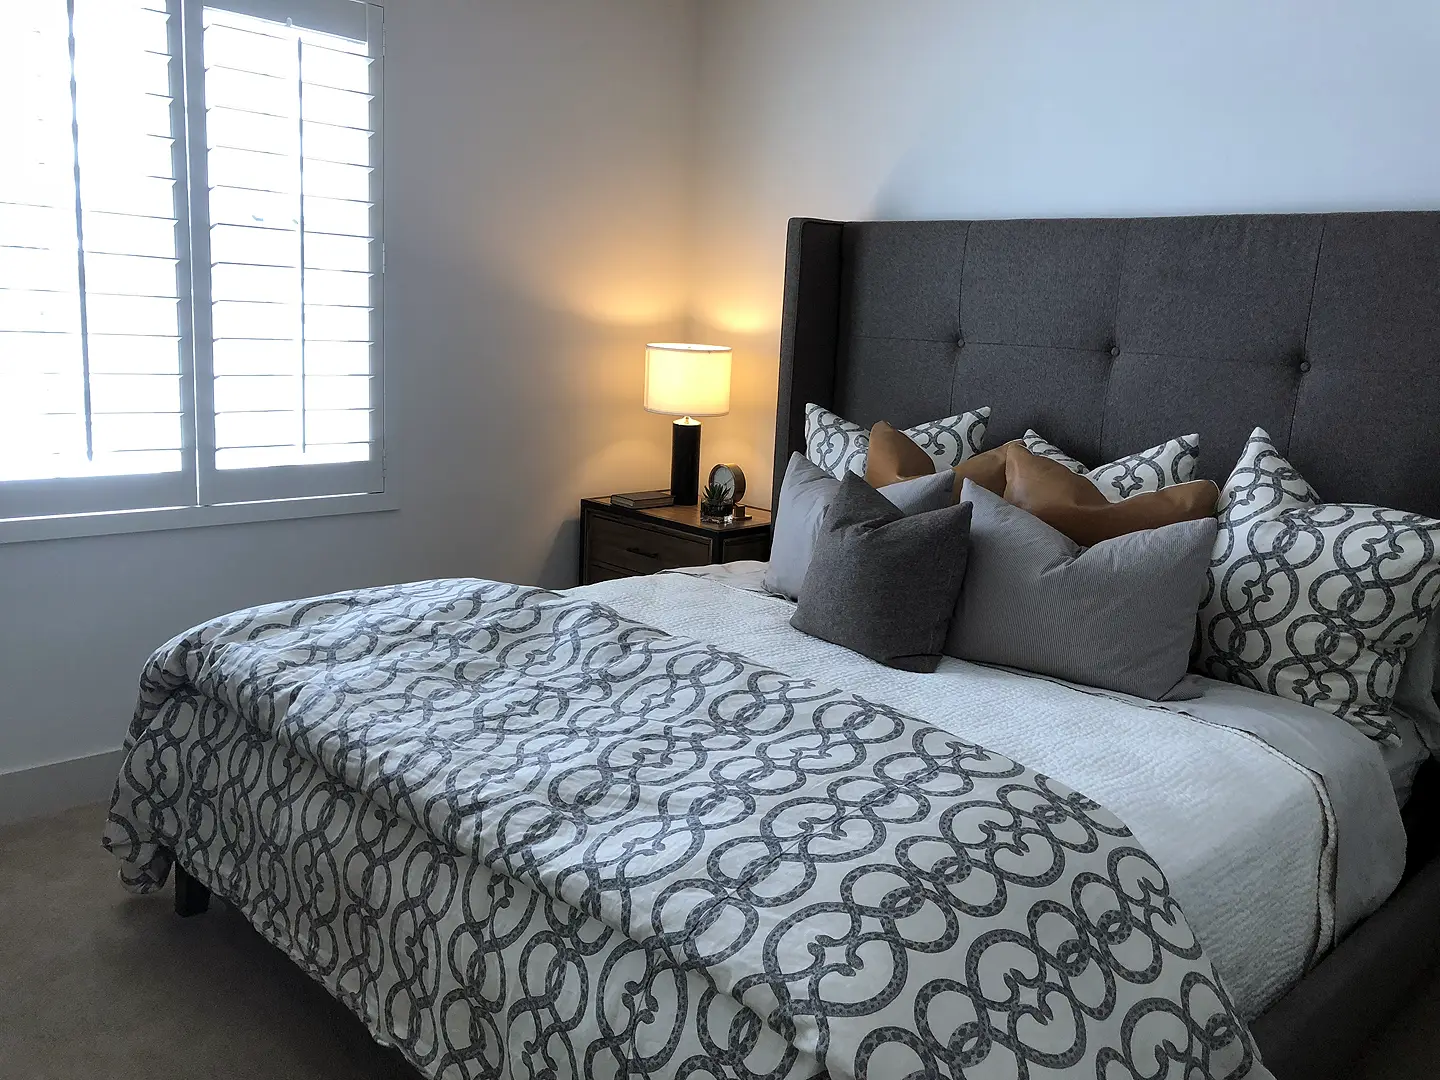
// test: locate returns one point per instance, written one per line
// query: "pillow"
(805, 493)
(1069, 502)
(1159, 467)
(1312, 601)
(1119, 615)
(838, 446)
(881, 583)
(894, 456)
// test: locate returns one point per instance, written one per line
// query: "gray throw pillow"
(804, 495)
(882, 583)
(1119, 615)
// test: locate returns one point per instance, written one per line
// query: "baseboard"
(48, 789)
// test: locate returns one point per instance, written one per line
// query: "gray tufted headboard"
(1111, 335)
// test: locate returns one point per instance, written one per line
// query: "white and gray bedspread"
(1277, 827)
(521, 834)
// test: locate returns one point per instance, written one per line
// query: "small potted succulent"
(715, 502)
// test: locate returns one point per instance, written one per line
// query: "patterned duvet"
(520, 835)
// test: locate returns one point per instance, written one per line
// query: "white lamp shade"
(687, 380)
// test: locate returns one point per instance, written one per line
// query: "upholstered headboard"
(1111, 335)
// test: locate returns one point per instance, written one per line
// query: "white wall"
(536, 224)
(1032, 108)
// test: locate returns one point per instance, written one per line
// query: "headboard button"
(1114, 350)
(1304, 366)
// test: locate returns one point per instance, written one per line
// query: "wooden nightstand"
(616, 541)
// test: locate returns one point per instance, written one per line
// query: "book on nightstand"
(642, 500)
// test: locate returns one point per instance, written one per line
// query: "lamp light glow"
(687, 380)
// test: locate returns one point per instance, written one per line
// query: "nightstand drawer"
(641, 550)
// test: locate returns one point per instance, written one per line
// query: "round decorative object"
(731, 477)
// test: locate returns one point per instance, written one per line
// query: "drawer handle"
(643, 553)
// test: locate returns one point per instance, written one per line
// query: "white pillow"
(1312, 601)
(839, 446)
(1159, 467)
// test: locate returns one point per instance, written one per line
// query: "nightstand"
(616, 541)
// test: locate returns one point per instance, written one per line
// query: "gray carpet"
(97, 983)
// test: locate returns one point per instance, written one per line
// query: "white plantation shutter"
(190, 253)
(94, 386)
(288, 355)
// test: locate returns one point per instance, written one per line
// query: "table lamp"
(686, 381)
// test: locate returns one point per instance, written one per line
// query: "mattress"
(1249, 838)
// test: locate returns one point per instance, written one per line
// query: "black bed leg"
(191, 898)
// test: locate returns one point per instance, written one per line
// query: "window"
(190, 255)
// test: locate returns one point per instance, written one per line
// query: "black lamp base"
(685, 461)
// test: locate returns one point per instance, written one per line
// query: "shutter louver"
(190, 258)
(290, 160)
(91, 375)
(42, 371)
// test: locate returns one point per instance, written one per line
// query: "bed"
(371, 780)
(1115, 334)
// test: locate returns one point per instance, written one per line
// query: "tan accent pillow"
(1074, 506)
(894, 456)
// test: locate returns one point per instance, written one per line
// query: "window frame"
(200, 494)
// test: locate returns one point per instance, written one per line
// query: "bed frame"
(1111, 335)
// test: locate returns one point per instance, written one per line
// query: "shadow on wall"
(531, 260)
(525, 413)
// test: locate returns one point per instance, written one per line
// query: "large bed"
(1115, 334)
(370, 779)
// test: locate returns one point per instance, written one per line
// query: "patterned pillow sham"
(838, 446)
(1317, 602)
(1159, 467)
